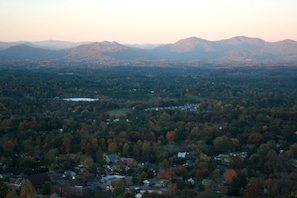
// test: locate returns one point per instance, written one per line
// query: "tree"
(27, 162)
(146, 150)
(66, 142)
(143, 175)
(50, 156)
(8, 146)
(170, 135)
(163, 175)
(254, 188)
(125, 149)
(235, 186)
(255, 138)
(271, 186)
(119, 187)
(89, 162)
(228, 175)
(11, 192)
(222, 144)
(27, 190)
(182, 170)
(112, 147)
(3, 189)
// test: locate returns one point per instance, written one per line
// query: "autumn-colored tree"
(171, 172)
(222, 144)
(146, 148)
(89, 162)
(143, 175)
(170, 135)
(293, 148)
(66, 142)
(27, 190)
(255, 138)
(163, 175)
(136, 152)
(8, 146)
(11, 192)
(83, 144)
(271, 186)
(118, 183)
(94, 142)
(112, 147)
(125, 149)
(131, 163)
(228, 175)
(102, 143)
(254, 188)
(182, 170)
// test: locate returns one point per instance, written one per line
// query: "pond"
(81, 99)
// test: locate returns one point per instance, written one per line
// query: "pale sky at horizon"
(146, 21)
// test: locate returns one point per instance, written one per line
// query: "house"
(38, 180)
(207, 182)
(62, 187)
(109, 178)
(223, 159)
(183, 155)
(146, 183)
(128, 161)
(79, 191)
(111, 158)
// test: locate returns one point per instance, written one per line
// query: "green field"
(118, 112)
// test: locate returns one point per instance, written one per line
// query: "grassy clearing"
(118, 112)
(197, 98)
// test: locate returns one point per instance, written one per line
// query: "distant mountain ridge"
(47, 44)
(236, 49)
(25, 52)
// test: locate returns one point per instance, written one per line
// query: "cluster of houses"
(186, 107)
(66, 184)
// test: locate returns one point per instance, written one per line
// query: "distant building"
(37, 180)
(108, 179)
(183, 154)
(111, 158)
(79, 191)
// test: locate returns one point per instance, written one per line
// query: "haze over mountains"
(236, 49)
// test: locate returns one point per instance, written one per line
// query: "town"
(146, 132)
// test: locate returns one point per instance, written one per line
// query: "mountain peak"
(104, 46)
(189, 44)
(243, 40)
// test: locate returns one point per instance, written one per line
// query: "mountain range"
(237, 49)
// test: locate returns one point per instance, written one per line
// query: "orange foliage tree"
(170, 135)
(228, 175)
(163, 175)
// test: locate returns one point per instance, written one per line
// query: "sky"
(146, 21)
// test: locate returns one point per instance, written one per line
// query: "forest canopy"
(151, 114)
